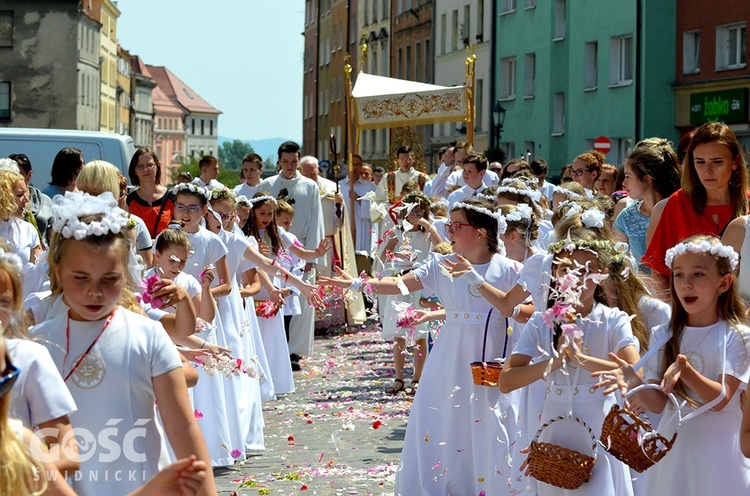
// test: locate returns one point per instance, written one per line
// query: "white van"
(41, 146)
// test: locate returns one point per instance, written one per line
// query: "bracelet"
(516, 311)
(356, 285)
(473, 277)
(204, 344)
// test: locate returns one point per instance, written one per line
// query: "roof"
(174, 89)
(137, 66)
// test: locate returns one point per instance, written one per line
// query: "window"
(466, 26)
(559, 20)
(621, 60)
(418, 61)
(367, 12)
(691, 52)
(558, 114)
(5, 100)
(528, 151)
(408, 62)
(479, 105)
(203, 127)
(192, 122)
(620, 150)
(730, 46)
(374, 10)
(384, 62)
(454, 33)
(509, 149)
(386, 8)
(444, 34)
(427, 56)
(530, 80)
(211, 127)
(399, 65)
(507, 6)
(480, 21)
(6, 29)
(508, 77)
(374, 59)
(530, 4)
(590, 76)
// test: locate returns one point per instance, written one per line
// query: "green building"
(569, 71)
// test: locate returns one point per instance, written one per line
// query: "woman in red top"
(152, 202)
(714, 191)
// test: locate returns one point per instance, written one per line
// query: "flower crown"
(69, 208)
(259, 199)
(502, 225)
(11, 258)
(559, 190)
(223, 193)
(521, 212)
(703, 246)
(243, 200)
(591, 217)
(490, 198)
(535, 195)
(192, 188)
(596, 245)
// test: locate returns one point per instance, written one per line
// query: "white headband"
(704, 246)
(253, 201)
(559, 190)
(70, 207)
(535, 195)
(193, 188)
(591, 217)
(11, 258)
(520, 212)
(501, 224)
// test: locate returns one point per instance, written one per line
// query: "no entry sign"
(602, 144)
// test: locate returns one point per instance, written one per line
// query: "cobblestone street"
(339, 433)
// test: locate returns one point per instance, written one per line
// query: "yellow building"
(106, 12)
(124, 97)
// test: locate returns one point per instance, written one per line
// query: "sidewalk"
(339, 433)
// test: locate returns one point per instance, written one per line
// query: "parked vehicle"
(41, 146)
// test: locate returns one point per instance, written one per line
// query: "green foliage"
(495, 155)
(231, 153)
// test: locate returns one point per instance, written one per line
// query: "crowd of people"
(144, 330)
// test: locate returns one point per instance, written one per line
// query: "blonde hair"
(282, 207)
(20, 472)
(8, 181)
(443, 248)
(99, 176)
(16, 328)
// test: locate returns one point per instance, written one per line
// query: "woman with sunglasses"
(152, 201)
(460, 436)
(586, 169)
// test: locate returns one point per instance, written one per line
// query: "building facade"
(711, 74)
(142, 113)
(124, 96)
(563, 84)
(40, 66)
(374, 21)
(106, 12)
(458, 25)
(89, 76)
(169, 125)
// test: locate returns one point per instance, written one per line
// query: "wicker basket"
(631, 439)
(487, 373)
(559, 466)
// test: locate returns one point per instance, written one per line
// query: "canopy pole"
(350, 144)
(471, 58)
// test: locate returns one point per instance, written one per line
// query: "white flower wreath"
(519, 213)
(501, 224)
(535, 195)
(591, 217)
(12, 258)
(69, 208)
(559, 190)
(704, 246)
(193, 188)
(253, 201)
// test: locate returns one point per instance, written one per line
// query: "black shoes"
(295, 358)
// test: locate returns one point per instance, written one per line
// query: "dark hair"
(716, 132)
(171, 237)
(481, 220)
(68, 162)
(539, 166)
(378, 168)
(522, 166)
(479, 161)
(134, 162)
(289, 147)
(682, 146)
(441, 152)
(22, 160)
(253, 157)
(655, 158)
(207, 160)
(403, 149)
(251, 226)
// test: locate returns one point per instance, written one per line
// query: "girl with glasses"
(467, 429)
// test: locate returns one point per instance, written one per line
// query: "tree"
(231, 153)
(228, 177)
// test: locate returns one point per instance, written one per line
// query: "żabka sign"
(713, 106)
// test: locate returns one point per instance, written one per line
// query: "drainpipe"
(638, 72)
(493, 55)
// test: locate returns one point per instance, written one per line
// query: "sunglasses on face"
(191, 209)
(567, 179)
(578, 172)
(454, 227)
(8, 379)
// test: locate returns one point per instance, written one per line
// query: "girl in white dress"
(703, 358)
(407, 247)
(737, 235)
(570, 390)
(458, 435)
(116, 363)
(19, 234)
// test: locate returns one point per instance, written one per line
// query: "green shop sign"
(713, 106)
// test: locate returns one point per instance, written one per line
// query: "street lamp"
(498, 119)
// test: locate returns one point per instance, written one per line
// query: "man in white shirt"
(475, 168)
(361, 215)
(446, 177)
(209, 167)
(304, 195)
(389, 189)
(252, 166)
(539, 168)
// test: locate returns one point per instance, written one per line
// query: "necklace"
(88, 350)
(693, 355)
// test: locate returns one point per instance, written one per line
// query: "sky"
(244, 57)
